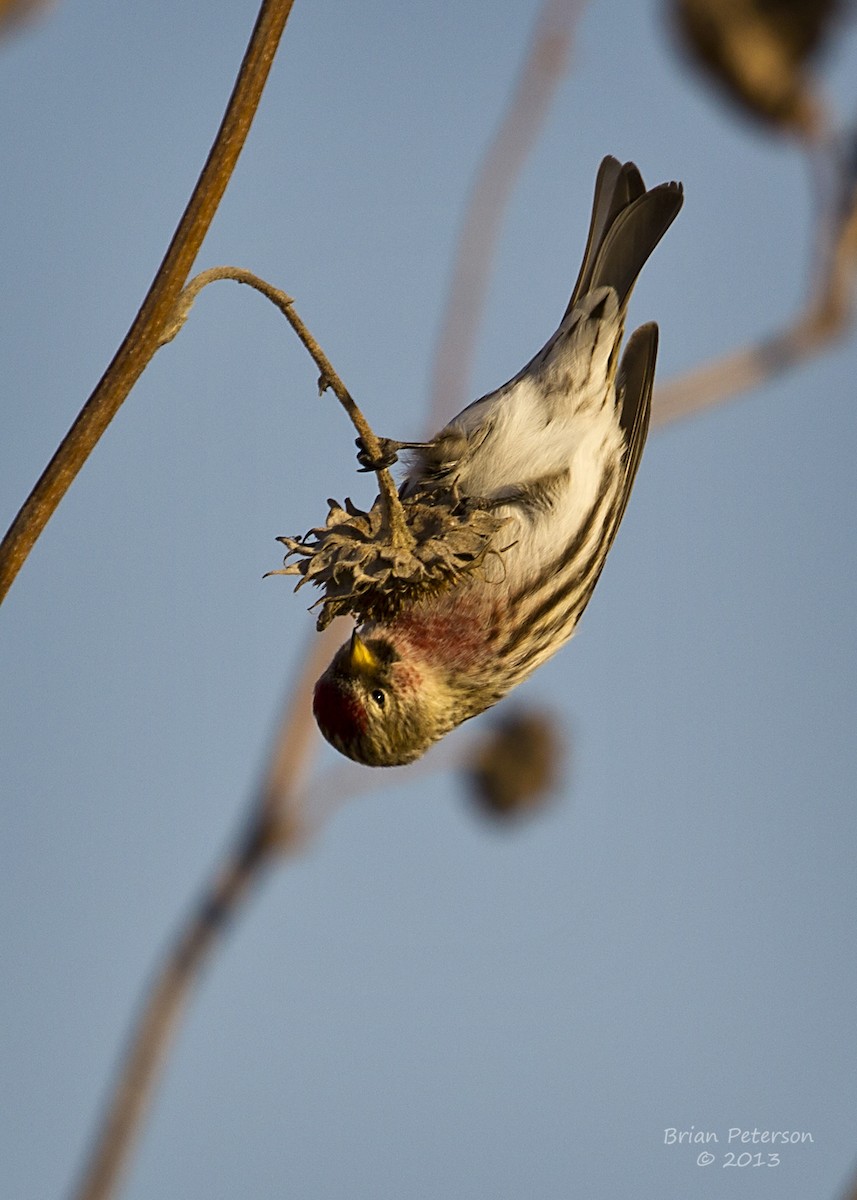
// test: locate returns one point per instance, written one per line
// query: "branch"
(144, 336)
(544, 67)
(160, 1015)
(275, 825)
(826, 316)
(394, 515)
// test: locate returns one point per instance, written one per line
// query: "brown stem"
(161, 1012)
(730, 375)
(276, 825)
(394, 515)
(543, 69)
(826, 315)
(144, 336)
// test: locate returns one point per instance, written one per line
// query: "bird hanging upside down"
(553, 453)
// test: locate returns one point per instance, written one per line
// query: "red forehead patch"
(337, 711)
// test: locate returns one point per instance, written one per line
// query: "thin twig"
(391, 505)
(161, 1012)
(144, 336)
(731, 375)
(543, 68)
(275, 825)
(826, 316)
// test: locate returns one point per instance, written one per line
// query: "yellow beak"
(360, 657)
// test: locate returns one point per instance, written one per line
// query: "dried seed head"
(366, 572)
(514, 769)
(759, 53)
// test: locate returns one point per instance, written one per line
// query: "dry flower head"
(369, 573)
(513, 770)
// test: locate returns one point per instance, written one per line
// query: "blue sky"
(419, 1005)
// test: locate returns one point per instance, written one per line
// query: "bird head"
(378, 706)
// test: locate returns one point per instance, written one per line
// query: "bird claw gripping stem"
(389, 453)
(363, 571)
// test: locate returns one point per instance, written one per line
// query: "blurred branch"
(850, 1192)
(144, 336)
(161, 1011)
(543, 68)
(15, 14)
(510, 768)
(274, 825)
(826, 316)
(761, 57)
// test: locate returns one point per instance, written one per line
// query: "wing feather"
(634, 396)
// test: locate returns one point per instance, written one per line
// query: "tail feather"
(616, 185)
(627, 223)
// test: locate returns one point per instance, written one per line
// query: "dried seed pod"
(364, 573)
(759, 51)
(514, 769)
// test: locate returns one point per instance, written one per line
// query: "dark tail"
(627, 223)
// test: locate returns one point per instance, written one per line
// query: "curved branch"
(540, 76)
(144, 337)
(328, 378)
(725, 378)
(826, 315)
(162, 1008)
(276, 825)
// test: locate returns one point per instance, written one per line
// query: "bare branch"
(144, 336)
(826, 316)
(850, 1192)
(544, 67)
(161, 1012)
(391, 504)
(275, 826)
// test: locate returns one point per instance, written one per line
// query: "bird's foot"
(389, 453)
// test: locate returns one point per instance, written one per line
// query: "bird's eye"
(380, 697)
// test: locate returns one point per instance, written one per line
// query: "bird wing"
(634, 397)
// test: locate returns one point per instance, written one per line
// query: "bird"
(554, 453)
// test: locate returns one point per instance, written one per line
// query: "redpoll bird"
(554, 452)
